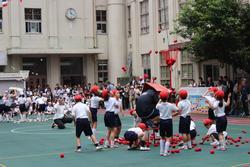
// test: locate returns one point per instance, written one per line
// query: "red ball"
(198, 149)
(61, 155)
(211, 151)
(156, 145)
(177, 151)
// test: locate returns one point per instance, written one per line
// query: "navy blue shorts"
(211, 114)
(117, 122)
(83, 125)
(41, 107)
(221, 124)
(2, 106)
(166, 128)
(193, 134)
(94, 114)
(109, 119)
(130, 136)
(22, 108)
(184, 125)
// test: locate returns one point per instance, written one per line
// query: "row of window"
(33, 20)
(163, 21)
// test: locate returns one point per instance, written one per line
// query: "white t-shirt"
(184, 107)
(213, 129)
(21, 100)
(137, 130)
(166, 109)
(94, 101)
(110, 104)
(80, 110)
(41, 100)
(210, 99)
(118, 104)
(60, 110)
(192, 125)
(219, 111)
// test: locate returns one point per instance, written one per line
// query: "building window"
(33, 20)
(146, 64)
(129, 21)
(211, 70)
(1, 20)
(144, 17)
(71, 70)
(102, 70)
(164, 71)
(163, 14)
(2, 68)
(186, 68)
(101, 21)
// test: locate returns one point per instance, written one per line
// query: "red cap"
(105, 93)
(94, 89)
(114, 91)
(213, 89)
(131, 112)
(220, 94)
(78, 97)
(207, 121)
(142, 126)
(183, 94)
(164, 95)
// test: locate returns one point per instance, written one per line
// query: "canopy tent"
(157, 87)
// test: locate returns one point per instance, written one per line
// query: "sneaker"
(53, 125)
(78, 150)
(144, 149)
(184, 147)
(223, 148)
(215, 143)
(166, 154)
(106, 146)
(98, 148)
(114, 146)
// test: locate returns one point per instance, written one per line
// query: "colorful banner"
(198, 103)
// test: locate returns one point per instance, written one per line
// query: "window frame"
(144, 17)
(163, 25)
(102, 22)
(103, 71)
(165, 79)
(34, 20)
(129, 21)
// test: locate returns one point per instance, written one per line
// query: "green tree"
(217, 29)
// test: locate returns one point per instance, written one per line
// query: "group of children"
(85, 117)
(216, 123)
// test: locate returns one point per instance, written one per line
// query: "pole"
(170, 75)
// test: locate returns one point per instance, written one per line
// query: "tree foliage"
(217, 29)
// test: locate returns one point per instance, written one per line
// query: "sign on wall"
(195, 97)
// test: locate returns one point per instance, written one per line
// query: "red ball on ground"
(177, 151)
(61, 155)
(198, 149)
(211, 151)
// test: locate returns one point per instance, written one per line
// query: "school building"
(82, 41)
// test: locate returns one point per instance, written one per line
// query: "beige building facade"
(82, 41)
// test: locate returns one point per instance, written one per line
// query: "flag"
(4, 3)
